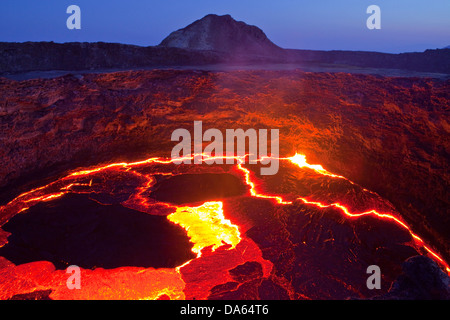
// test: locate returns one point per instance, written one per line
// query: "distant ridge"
(210, 41)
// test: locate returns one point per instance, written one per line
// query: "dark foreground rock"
(421, 279)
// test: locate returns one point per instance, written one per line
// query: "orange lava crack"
(300, 160)
(204, 233)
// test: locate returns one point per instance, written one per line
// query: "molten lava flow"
(300, 160)
(206, 226)
(46, 198)
(253, 191)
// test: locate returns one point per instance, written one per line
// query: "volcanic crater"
(92, 153)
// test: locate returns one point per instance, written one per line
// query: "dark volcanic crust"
(189, 188)
(388, 134)
(76, 230)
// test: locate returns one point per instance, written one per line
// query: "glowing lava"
(300, 160)
(255, 193)
(206, 226)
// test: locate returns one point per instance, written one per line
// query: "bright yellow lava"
(206, 226)
(300, 160)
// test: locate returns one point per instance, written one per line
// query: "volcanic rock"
(224, 34)
(248, 271)
(51, 126)
(211, 42)
(385, 134)
(197, 188)
(109, 236)
(35, 295)
(421, 279)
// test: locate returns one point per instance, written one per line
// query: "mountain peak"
(222, 34)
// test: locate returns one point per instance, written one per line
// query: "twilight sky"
(406, 25)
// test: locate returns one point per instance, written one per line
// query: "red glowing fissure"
(25, 200)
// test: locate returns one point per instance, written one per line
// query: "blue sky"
(406, 25)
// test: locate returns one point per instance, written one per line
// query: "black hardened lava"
(188, 188)
(75, 230)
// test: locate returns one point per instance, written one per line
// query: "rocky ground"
(389, 135)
